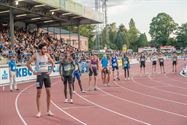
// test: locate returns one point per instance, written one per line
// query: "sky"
(142, 11)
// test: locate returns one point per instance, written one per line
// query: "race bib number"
(114, 64)
(67, 68)
(142, 59)
(43, 67)
(76, 67)
(126, 62)
(154, 59)
(37, 84)
(161, 60)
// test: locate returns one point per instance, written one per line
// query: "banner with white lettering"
(4, 76)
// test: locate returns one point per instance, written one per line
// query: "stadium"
(62, 62)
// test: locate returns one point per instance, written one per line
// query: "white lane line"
(139, 104)
(78, 107)
(68, 113)
(16, 104)
(170, 85)
(175, 80)
(114, 112)
(160, 89)
(21, 117)
(163, 99)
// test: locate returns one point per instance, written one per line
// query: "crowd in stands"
(26, 42)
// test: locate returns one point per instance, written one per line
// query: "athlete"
(42, 60)
(126, 66)
(142, 62)
(12, 71)
(105, 74)
(161, 61)
(114, 62)
(93, 70)
(174, 62)
(154, 59)
(77, 75)
(66, 69)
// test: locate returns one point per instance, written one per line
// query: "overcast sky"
(142, 11)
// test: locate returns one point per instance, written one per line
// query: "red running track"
(154, 99)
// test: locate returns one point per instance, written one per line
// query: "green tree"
(112, 36)
(181, 36)
(133, 35)
(85, 30)
(88, 31)
(122, 37)
(108, 36)
(142, 41)
(161, 28)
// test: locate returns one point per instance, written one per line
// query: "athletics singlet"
(41, 63)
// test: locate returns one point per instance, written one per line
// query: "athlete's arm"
(28, 64)
(52, 63)
(117, 61)
(60, 70)
(122, 61)
(97, 63)
(9, 68)
(79, 69)
(60, 67)
(73, 63)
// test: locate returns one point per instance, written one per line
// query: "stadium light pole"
(97, 8)
(11, 21)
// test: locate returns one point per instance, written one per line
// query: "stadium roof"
(48, 12)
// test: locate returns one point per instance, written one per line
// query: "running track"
(154, 99)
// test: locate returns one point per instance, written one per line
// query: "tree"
(133, 35)
(87, 31)
(181, 36)
(142, 40)
(112, 36)
(108, 36)
(161, 28)
(122, 37)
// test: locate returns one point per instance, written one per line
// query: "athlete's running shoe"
(38, 115)
(83, 91)
(50, 113)
(71, 101)
(66, 101)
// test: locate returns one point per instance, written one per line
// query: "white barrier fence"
(23, 74)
